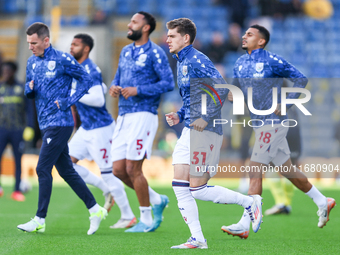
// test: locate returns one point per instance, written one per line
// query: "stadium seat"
(106, 5)
(79, 21)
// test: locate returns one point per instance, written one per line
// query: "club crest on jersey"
(185, 70)
(142, 58)
(259, 67)
(51, 65)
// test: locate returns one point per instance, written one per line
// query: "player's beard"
(136, 34)
(78, 55)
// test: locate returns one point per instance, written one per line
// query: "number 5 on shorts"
(139, 144)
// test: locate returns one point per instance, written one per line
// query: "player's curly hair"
(38, 28)
(184, 26)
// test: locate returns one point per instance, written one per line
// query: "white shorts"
(93, 144)
(133, 136)
(204, 153)
(271, 145)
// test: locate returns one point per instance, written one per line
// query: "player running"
(200, 142)
(49, 75)
(143, 75)
(271, 144)
(93, 138)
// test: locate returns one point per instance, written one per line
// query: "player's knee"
(199, 193)
(133, 171)
(42, 173)
(119, 172)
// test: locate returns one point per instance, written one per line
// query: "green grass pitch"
(67, 224)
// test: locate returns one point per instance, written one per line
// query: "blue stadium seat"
(293, 24)
(231, 57)
(277, 25)
(106, 5)
(37, 18)
(297, 59)
(278, 36)
(79, 21)
(335, 72)
(123, 9)
(319, 71)
(315, 46)
(148, 6)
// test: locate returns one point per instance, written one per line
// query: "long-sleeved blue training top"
(52, 75)
(263, 71)
(92, 117)
(147, 68)
(196, 74)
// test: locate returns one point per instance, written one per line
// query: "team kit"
(63, 83)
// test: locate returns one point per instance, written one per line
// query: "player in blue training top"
(263, 71)
(93, 138)
(49, 75)
(143, 75)
(200, 143)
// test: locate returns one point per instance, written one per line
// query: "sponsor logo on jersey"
(258, 75)
(50, 74)
(185, 79)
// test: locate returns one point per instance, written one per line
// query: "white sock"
(91, 178)
(155, 198)
(245, 219)
(117, 190)
(94, 208)
(319, 199)
(40, 220)
(145, 215)
(220, 195)
(188, 208)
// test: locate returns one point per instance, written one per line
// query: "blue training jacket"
(52, 75)
(92, 117)
(147, 68)
(194, 69)
(263, 70)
